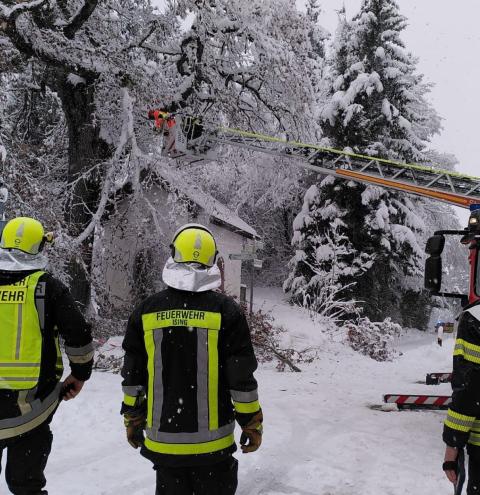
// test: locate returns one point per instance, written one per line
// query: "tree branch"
(11, 13)
(106, 190)
(27, 36)
(80, 18)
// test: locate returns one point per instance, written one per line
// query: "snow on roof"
(209, 204)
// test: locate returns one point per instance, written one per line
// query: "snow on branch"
(49, 46)
(127, 136)
(7, 13)
(3, 153)
(80, 18)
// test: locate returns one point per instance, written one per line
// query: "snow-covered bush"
(373, 339)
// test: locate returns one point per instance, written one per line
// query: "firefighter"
(165, 122)
(188, 374)
(462, 426)
(35, 309)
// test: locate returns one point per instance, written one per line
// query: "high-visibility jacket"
(189, 360)
(34, 310)
(21, 334)
(462, 425)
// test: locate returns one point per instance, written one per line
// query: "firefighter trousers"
(214, 479)
(473, 487)
(26, 458)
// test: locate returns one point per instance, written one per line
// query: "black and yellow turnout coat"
(35, 310)
(189, 360)
(462, 425)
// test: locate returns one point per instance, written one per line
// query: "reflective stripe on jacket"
(209, 436)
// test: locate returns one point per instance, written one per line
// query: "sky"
(447, 42)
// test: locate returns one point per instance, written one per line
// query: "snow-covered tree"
(284, 59)
(377, 106)
(81, 76)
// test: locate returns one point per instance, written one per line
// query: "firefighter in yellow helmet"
(188, 374)
(35, 309)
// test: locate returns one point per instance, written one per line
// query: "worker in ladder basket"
(35, 309)
(165, 122)
(462, 426)
(188, 374)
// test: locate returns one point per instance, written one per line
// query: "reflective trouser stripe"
(247, 407)
(469, 352)
(40, 411)
(213, 379)
(459, 422)
(190, 448)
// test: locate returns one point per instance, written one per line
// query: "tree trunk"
(86, 153)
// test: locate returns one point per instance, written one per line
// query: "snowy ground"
(321, 437)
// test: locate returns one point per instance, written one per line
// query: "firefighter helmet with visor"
(194, 243)
(24, 234)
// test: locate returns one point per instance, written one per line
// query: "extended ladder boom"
(443, 185)
(190, 140)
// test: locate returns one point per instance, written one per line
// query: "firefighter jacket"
(189, 360)
(462, 425)
(35, 309)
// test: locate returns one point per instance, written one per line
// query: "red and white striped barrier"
(418, 401)
(436, 378)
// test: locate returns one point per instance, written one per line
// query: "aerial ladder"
(187, 138)
(190, 139)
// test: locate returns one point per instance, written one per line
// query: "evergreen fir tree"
(376, 106)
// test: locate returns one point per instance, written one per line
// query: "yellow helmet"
(194, 243)
(25, 234)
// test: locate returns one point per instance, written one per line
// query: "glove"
(135, 426)
(252, 432)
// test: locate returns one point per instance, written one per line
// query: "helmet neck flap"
(191, 277)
